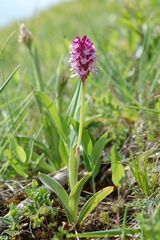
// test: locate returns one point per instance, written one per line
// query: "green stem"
(74, 159)
(118, 199)
(93, 185)
(81, 121)
(36, 68)
(123, 237)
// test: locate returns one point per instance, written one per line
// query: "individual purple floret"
(83, 57)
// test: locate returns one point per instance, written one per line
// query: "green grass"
(123, 97)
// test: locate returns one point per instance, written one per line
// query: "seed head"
(83, 57)
(25, 36)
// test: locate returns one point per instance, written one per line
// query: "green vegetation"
(39, 118)
(36, 211)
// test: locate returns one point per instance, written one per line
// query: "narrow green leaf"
(92, 203)
(74, 105)
(73, 168)
(36, 68)
(46, 167)
(29, 151)
(118, 172)
(6, 42)
(73, 138)
(19, 151)
(88, 148)
(63, 152)
(75, 194)
(51, 108)
(61, 82)
(104, 233)
(52, 139)
(9, 78)
(18, 168)
(60, 192)
(92, 119)
(40, 147)
(97, 151)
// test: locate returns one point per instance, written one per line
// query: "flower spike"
(83, 57)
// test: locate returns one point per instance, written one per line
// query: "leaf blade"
(91, 204)
(9, 78)
(55, 116)
(75, 193)
(118, 172)
(97, 150)
(60, 192)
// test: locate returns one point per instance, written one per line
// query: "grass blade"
(105, 234)
(9, 78)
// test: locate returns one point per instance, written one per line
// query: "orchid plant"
(73, 135)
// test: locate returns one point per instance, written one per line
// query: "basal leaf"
(91, 204)
(75, 194)
(53, 185)
(73, 164)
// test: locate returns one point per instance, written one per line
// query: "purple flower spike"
(83, 57)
